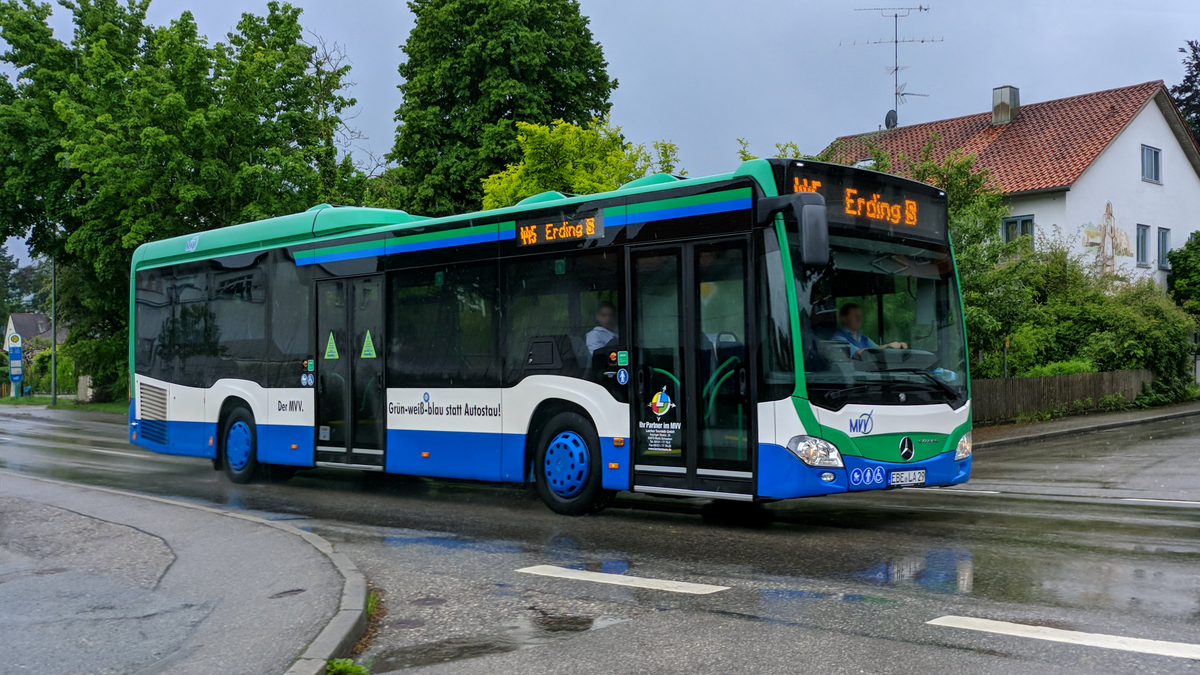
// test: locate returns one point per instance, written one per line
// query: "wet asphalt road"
(1097, 533)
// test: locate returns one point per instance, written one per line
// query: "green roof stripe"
(695, 200)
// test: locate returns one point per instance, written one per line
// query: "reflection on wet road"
(1053, 534)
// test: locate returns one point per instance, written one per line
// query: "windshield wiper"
(929, 376)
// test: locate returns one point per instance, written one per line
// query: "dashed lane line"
(1160, 501)
(1128, 644)
(622, 580)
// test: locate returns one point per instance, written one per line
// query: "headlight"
(815, 452)
(964, 447)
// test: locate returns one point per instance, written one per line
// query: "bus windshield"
(881, 324)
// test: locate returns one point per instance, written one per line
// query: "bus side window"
(552, 304)
(442, 327)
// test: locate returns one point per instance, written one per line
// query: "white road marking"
(1160, 501)
(956, 490)
(115, 452)
(622, 580)
(1160, 647)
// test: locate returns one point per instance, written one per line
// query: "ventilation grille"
(153, 425)
(154, 402)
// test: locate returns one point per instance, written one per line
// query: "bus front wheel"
(567, 466)
(238, 445)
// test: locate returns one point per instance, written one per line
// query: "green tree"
(573, 159)
(474, 69)
(1187, 92)
(1183, 281)
(129, 132)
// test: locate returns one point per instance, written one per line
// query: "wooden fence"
(1000, 400)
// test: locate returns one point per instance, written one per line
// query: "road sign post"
(16, 367)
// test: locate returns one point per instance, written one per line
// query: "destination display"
(857, 197)
(553, 231)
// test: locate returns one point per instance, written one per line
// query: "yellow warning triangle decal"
(368, 351)
(331, 348)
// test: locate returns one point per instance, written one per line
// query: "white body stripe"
(289, 406)
(895, 419)
(611, 417)
(787, 422)
(297, 406)
(766, 422)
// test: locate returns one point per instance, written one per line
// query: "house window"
(1164, 245)
(1151, 164)
(1143, 245)
(1014, 228)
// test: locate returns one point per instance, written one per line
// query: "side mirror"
(807, 210)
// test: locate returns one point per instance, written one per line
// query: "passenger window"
(564, 315)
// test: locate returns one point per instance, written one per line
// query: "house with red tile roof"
(1115, 171)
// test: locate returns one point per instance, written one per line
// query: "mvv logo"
(863, 424)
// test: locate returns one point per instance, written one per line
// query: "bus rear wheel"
(567, 466)
(238, 446)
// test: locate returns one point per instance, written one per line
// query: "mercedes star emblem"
(906, 448)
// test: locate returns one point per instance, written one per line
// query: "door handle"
(321, 384)
(641, 381)
(743, 382)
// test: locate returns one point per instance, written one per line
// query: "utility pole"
(898, 93)
(54, 329)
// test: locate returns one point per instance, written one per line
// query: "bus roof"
(324, 222)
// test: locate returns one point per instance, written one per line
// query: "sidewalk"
(98, 581)
(1006, 434)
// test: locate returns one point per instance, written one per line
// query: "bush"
(107, 361)
(344, 667)
(1072, 367)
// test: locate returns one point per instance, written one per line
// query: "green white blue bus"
(789, 329)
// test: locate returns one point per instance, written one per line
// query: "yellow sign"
(368, 350)
(876, 209)
(331, 348)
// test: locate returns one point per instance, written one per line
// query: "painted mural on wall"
(1107, 239)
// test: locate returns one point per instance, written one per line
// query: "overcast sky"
(702, 73)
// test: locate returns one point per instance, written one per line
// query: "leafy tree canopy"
(1187, 92)
(474, 70)
(577, 160)
(129, 132)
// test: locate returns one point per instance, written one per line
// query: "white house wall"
(1049, 210)
(1116, 176)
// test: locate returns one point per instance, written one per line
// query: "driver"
(850, 319)
(605, 331)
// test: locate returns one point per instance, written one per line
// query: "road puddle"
(523, 633)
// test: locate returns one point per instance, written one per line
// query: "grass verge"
(120, 407)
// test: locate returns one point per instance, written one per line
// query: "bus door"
(351, 422)
(693, 408)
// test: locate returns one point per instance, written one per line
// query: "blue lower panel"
(192, 439)
(614, 478)
(782, 476)
(450, 454)
(285, 444)
(868, 474)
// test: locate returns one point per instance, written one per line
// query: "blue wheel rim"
(237, 445)
(567, 464)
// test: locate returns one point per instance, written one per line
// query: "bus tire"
(238, 446)
(567, 466)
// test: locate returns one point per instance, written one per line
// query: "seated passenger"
(850, 316)
(605, 331)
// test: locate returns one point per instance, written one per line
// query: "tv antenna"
(898, 89)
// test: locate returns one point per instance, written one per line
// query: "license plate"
(907, 477)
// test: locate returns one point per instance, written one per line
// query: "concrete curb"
(1102, 426)
(345, 628)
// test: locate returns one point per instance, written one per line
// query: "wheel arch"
(542, 414)
(228, 405)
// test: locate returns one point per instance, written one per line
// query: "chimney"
(1006, 104)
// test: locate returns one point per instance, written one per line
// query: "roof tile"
(1048, 145)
